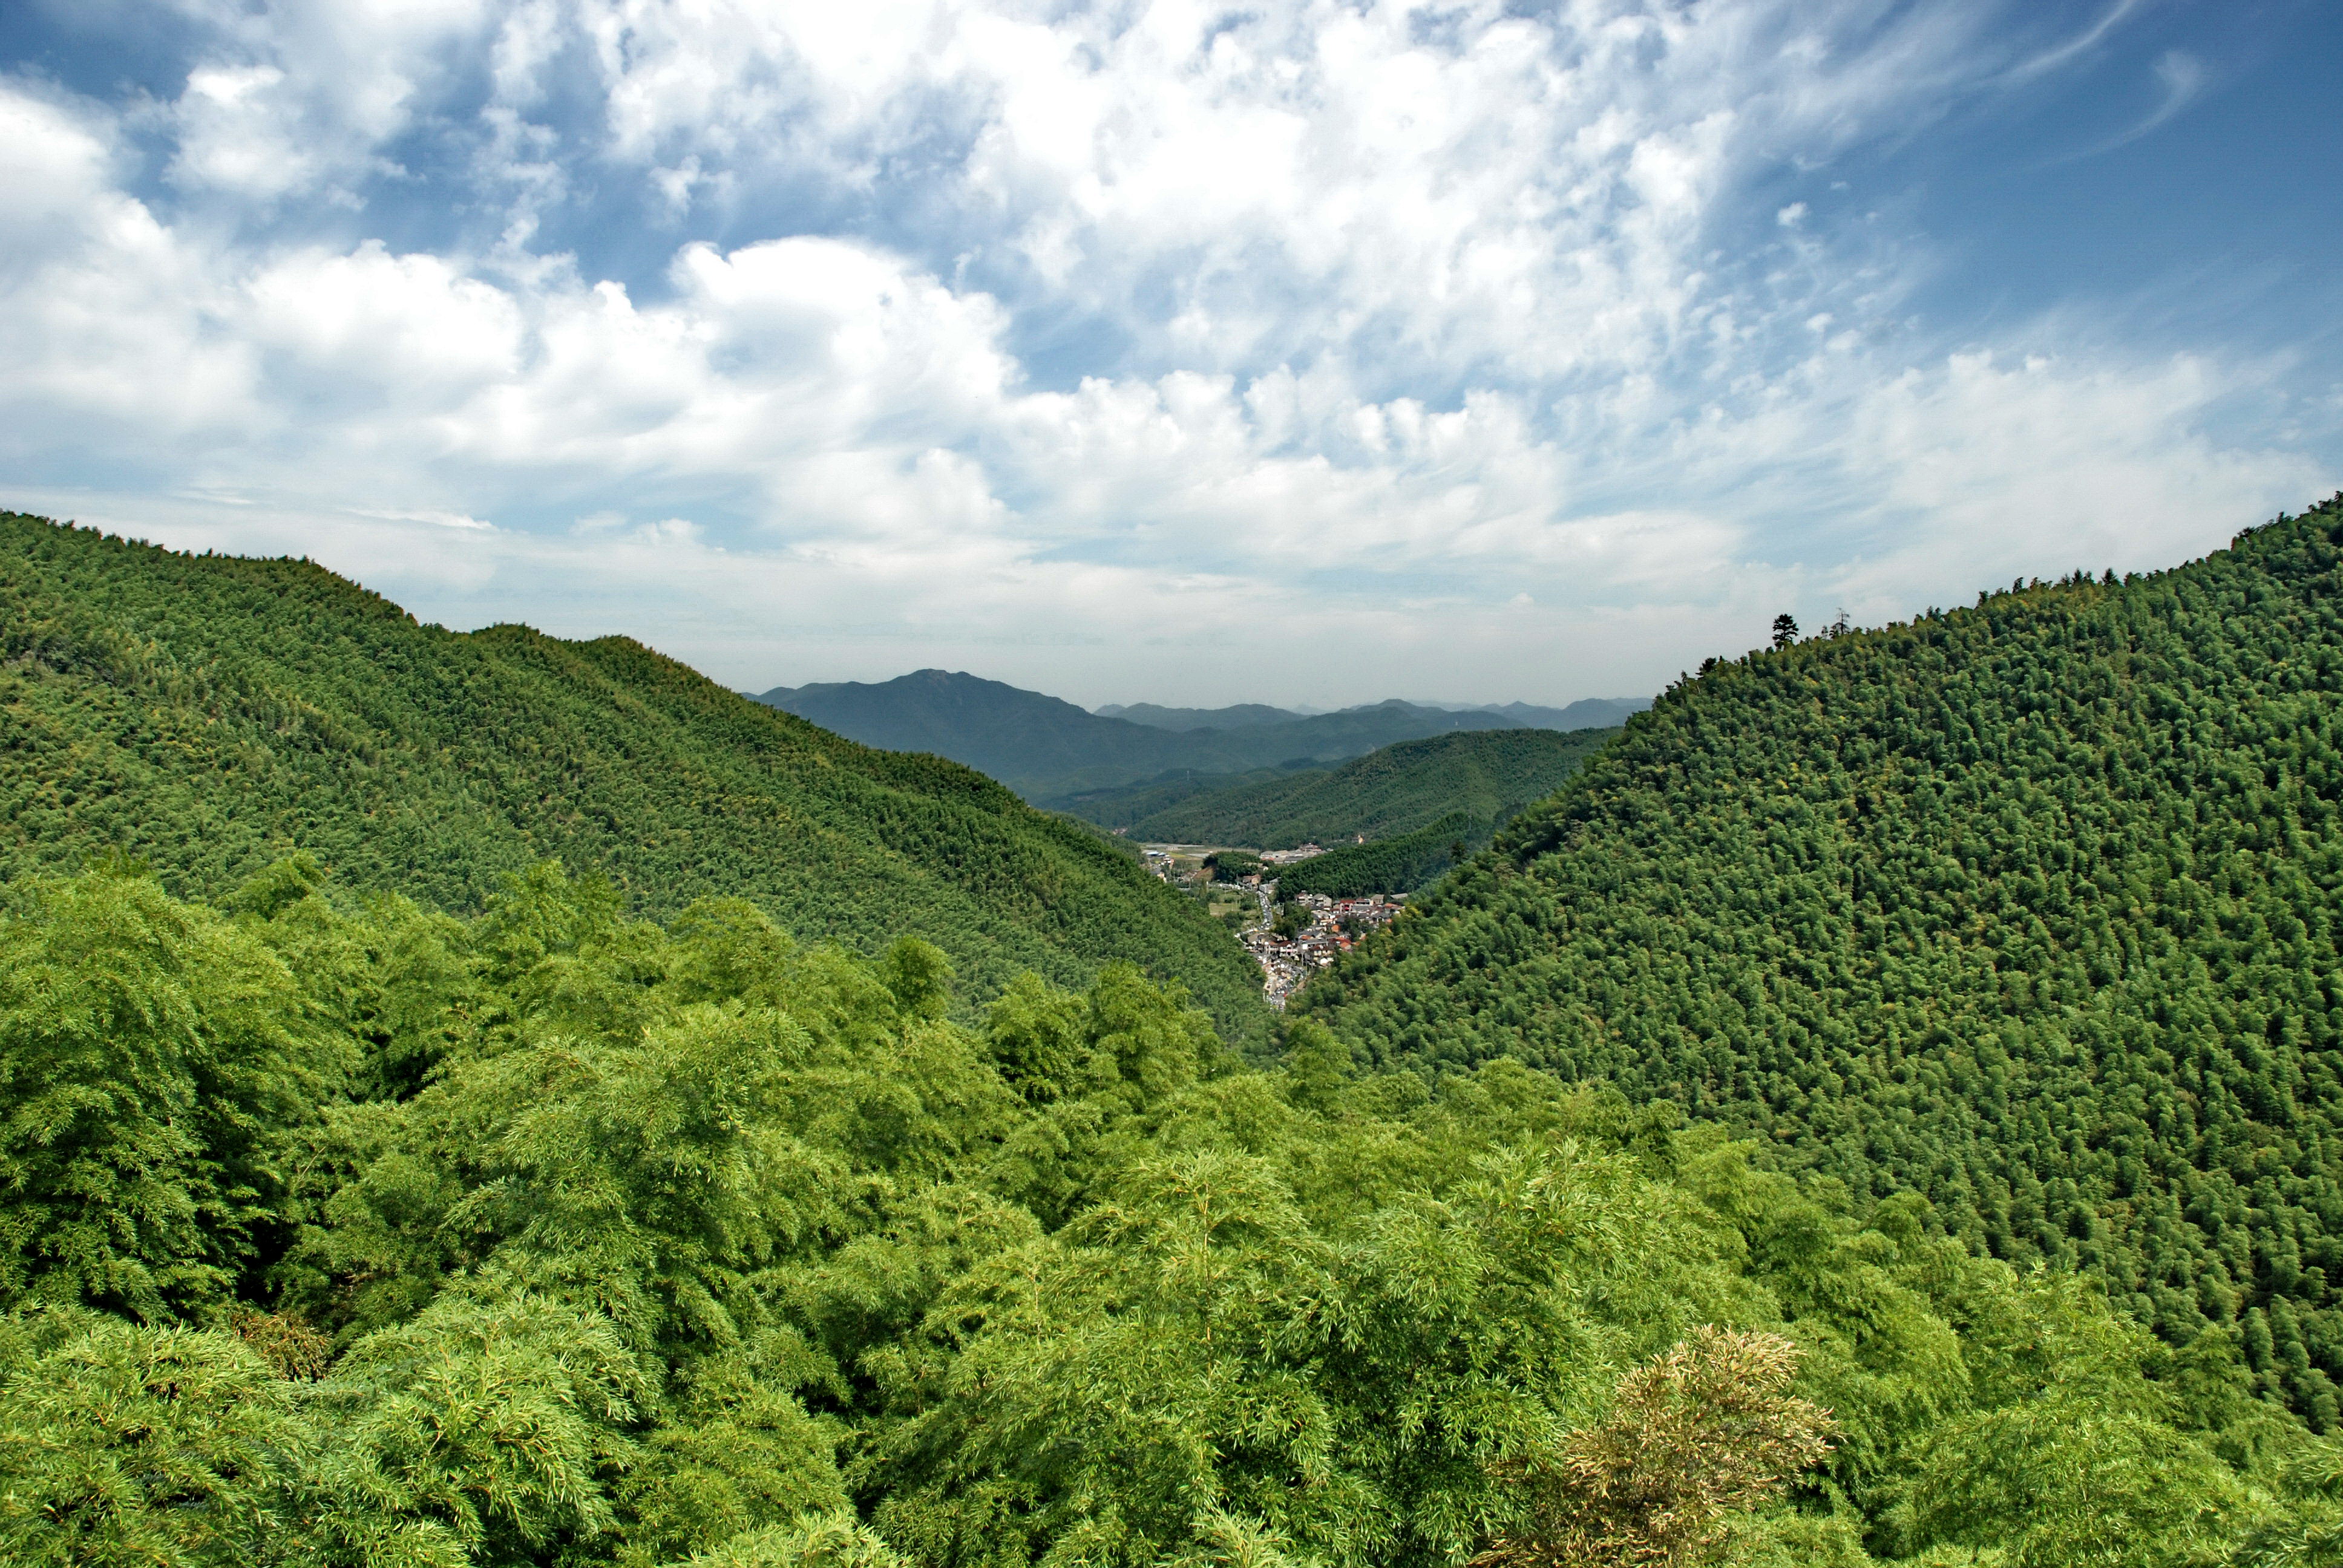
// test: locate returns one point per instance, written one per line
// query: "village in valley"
(1291, 941)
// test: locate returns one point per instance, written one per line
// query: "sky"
(1298, 352)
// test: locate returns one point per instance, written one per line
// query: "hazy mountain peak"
(1045, 747)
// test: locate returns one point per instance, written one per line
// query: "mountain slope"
(1120, 804)
(206, 714)
(1016, 736)
(2036, 907)
(1397, 865)
(1046, 748)
(1486, 774)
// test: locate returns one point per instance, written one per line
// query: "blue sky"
(1304, 352)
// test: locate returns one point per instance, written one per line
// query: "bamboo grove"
(207, 714)
(2029, 909)
(487, 1100)
(347, 1232)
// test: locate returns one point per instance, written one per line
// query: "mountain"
(2030, 907)
(1586, 713)
(1486, 774)
(1046, 748)
(1242, 716)
(207, 714)
(1016, 736)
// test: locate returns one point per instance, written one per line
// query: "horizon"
(1158, 354)
(1299, 710)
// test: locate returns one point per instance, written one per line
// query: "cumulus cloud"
(970, 331)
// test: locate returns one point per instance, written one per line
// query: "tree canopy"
(555, 1236)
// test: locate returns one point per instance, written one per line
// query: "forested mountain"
(1487, 774)
(1024, 738)
(344, 1234)
(2032, 908)
(207, 714)
(1120, 804)
(1046, 749)
(1404, 864)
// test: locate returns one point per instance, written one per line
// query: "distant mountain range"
(1243, 716)
(1044, 748)
(1587, 713)
(1396, 790)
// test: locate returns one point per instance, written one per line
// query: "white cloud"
(1202, 342)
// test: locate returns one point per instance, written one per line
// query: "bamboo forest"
(482, 1100)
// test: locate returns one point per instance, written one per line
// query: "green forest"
(346, 1232)
(2028, 911)
(480, 1101)
(208, 714)
(1402, 789)
(1400, 865)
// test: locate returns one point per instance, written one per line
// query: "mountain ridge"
(1045, 747)
(1394, 790)
(207, 713)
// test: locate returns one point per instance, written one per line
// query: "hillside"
(1046, 748)
(1404, 864)
(2031, 907)
(1118, 806)
(1486, 774)
(206, 714)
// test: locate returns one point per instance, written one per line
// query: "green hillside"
(1486, 774)
(2036, 908)
(206, 714)
(1400, 865)
(1118, 806)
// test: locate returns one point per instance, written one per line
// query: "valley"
(484, 1098)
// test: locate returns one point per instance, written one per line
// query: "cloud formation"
(1310, 352)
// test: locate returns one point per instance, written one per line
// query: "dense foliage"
(206, 714)
(1120, 804)
(1400, 865)
(347, 1232)
(1048, 749)
(2032, 908)
(1402, 789)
